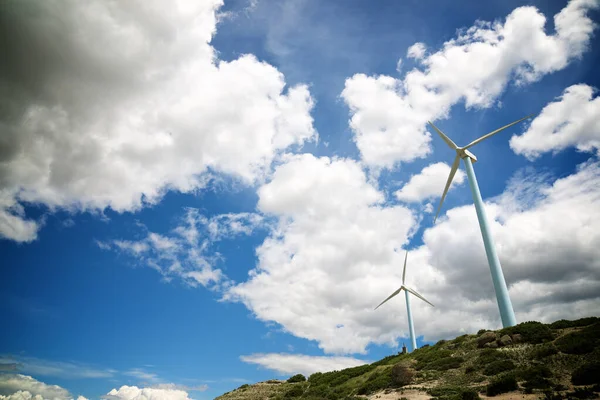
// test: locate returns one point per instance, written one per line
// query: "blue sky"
(179, 216)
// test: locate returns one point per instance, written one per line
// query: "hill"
(531, 360)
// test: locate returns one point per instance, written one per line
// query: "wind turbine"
(407, 290)
(506, 310)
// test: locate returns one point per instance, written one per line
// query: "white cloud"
(136, 393)
(290, 364)
(429, 183)
(120, 103)
(389, 115)
(328, 263)
(572, 120)
(22, 387)
(416, 51)
(186, 252)
(333, 233)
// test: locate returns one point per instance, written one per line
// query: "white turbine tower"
(506, 311)
(407, 290)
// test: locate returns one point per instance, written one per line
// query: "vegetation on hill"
(553, 361)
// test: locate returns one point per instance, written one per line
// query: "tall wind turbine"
(506, 310)
(407, 290)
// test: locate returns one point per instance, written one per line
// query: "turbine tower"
(407, 290)
(506, 310)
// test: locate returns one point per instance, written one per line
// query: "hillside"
(528, 361)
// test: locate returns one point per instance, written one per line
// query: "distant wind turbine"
(506, 310)
(407, 290)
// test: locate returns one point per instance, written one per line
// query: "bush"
(587, 374)
(297, 378)
(460, 339)
(536, 377)
(243, 387)
(335, 378)
(501, 384)
(535, 371)
(294, 391)
(430, 355)
(494, 368)
(482, 331)
(544, 351)
(531, 332)
(582, 342)
(563, 323)
(402, 375)
(488, 356)
(376, 382)
(444, 364)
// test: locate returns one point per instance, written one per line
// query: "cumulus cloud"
(572, 120)
(333, 234)
(23, 387)
(113, 104)
(388, 115)
(336, 253)
(428, 183)
(289, 364)
(186, 252)
(136, 393)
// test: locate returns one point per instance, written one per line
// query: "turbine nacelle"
(463, 152)
(404, 287)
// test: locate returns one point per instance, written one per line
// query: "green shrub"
(544, 351)
(317, 392)
(390, 360)
(531, 332)
(335, 378)
(297, 378)
(563, 323)
(494, 368)
(488, 356)
(501, 384)
(536, 377)
(430, 355)
(535, 371)
(375, 383)
(402, 375)
(444, 364)
(482, 331)
(243, 387)
(470, 369)
(581, 342)
(587, 374)
(460, 339)
(294, 391)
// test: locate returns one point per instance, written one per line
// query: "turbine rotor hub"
(464, 153)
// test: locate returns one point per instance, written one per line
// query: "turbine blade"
(448, 182)
(392, 295)
(446, 139)
(404, 271)
(413, 291)
(474, 142)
